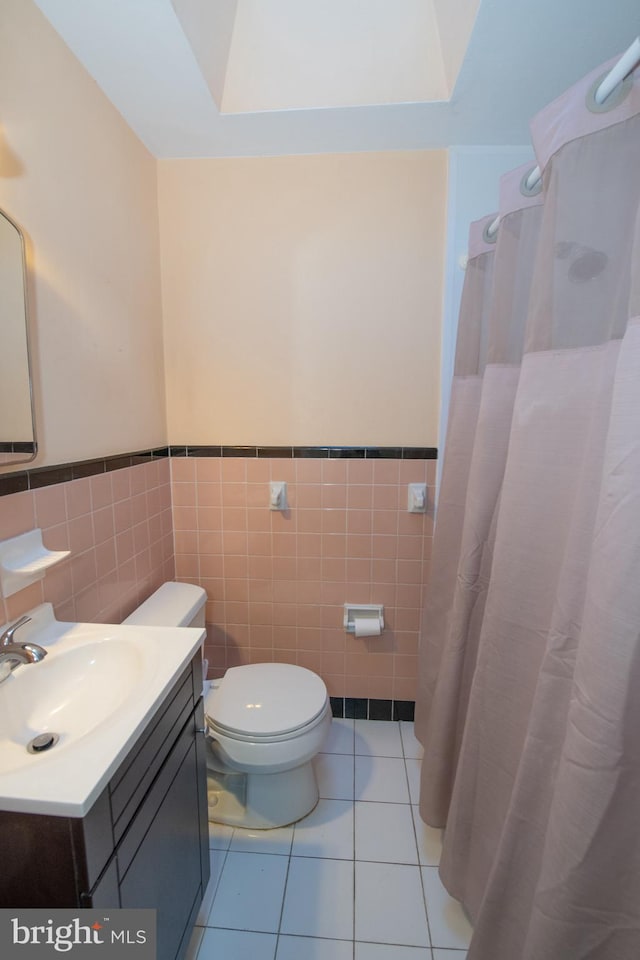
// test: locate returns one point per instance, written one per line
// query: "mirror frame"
(20, 458)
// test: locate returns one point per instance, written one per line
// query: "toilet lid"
(265, 699)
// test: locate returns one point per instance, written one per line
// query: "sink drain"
(44, 741)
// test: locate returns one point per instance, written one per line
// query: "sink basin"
(97, 689)
(70, 694)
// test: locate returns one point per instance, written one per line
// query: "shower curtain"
(529, 699)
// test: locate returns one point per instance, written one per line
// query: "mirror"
(17, 423)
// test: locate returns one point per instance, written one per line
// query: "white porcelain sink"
(97, 688)
(70, 694)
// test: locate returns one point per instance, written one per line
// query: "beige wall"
(302, 298)
(83, 188)
(302, 295)
(15, 400)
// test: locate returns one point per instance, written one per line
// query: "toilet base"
(262, 801)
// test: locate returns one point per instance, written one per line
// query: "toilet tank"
(172, 605)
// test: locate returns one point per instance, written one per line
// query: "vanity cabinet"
(144, 843)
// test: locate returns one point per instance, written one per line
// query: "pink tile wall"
(276, 583)
(118, 528)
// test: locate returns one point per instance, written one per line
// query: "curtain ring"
(528, 191)
(614, 99)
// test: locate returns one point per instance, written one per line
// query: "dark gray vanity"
(143, 843)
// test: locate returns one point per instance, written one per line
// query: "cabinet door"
(165, 872)
(105, 894)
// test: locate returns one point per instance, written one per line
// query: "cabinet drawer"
(141, 766)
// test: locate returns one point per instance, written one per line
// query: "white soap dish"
(24, 560)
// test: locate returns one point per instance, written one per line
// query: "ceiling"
(215, 78)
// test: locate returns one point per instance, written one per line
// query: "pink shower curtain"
(488, 357)
(529, 703)
(440, 644)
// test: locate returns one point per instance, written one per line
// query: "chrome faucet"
(7, 637)
(13, 654)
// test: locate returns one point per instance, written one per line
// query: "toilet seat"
(217, 732)
(265, 702)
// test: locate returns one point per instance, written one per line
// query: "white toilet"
(265, 723)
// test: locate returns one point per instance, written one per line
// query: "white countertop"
(98, 687)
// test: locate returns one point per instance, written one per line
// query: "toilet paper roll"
(367, 627)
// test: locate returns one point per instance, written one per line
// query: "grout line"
(354, 844)
(215, 889)
(424, 896)
(284, 895)
(304, 936)
(420, 874)
(268, 933)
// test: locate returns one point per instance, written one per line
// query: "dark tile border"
(404, 710)
(13, 483)
(380, 710)
(17, 446)
(356, 708)
(337, 706)
(60, 473)
(316, 453)
(361, 708)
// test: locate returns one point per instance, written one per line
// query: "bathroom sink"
(96, 689)
(70, 693)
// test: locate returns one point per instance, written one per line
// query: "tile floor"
(357, 879)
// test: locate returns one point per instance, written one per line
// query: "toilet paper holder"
(371, 615)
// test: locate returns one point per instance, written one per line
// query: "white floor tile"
(381, 779)
(326, 832)
(340, 737)
(216, 863)
(429, 841)
(274, 841)
(335, 775)
(413, 776)
(384, 832)
(250, 892)
(319, 898)
(385, 951)
(313, 948)
(305, 873)
(410, 744)
(447, 921)
(389, 905)
(220, 835)
(237, 945)
(378, 738)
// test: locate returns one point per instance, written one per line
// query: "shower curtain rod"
(627, 62)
